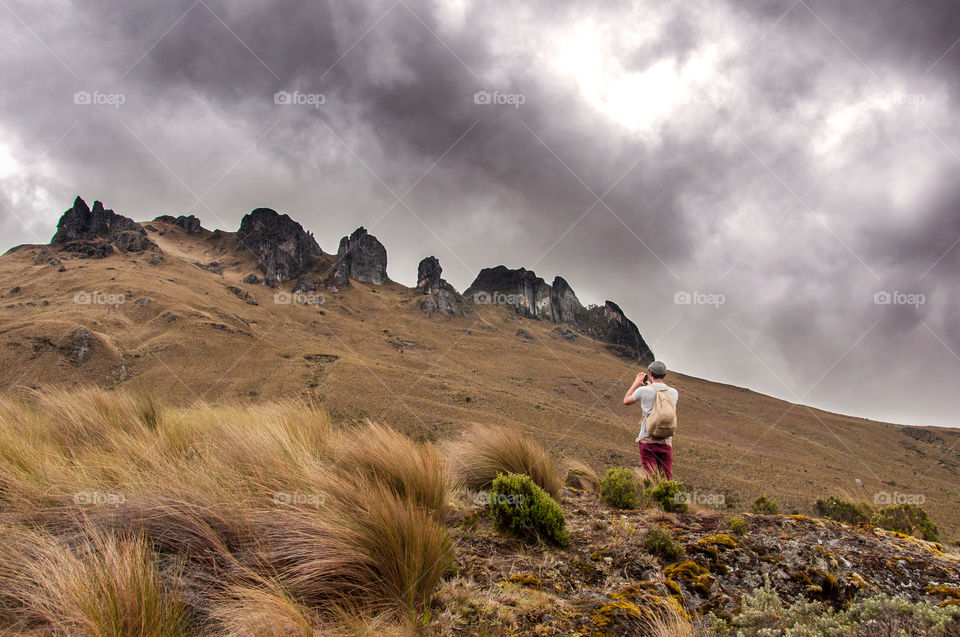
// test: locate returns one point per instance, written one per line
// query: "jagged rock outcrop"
(428, 276)
(280, 245)
(527, 294)
(361, 257)
(95, 233)
(440, 297)
(188, 222)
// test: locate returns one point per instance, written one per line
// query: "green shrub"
(519, 506)
(763, 613)
(737, 525)
(619, 489)
(909, 519)
(661, 543)
(764, 506)
(669, 495)
(834, 508)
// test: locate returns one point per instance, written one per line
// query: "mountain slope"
(186, 327)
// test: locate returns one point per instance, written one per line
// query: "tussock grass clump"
(840, 510)
(409, 469)
(661, 543)
(909, 519)
(581, 476)
(619, 489)
(126, 516)
(103, 586)
(764, 506)
(486, 452)
(521, 507)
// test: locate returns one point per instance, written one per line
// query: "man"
(656, 454)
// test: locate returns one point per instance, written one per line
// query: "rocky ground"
(602, 582)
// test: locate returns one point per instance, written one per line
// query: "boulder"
(95, 233)
(251, 279)
(428, 276)
(280, 245)
(80, 345)
(361, 257)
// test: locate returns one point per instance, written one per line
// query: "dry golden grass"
(580, 475)
(262, 515)
(485, 452)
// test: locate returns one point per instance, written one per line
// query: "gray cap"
(658, 368)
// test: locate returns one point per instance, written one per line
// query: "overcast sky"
(779, 164)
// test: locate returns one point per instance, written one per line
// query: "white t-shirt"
(646, 395)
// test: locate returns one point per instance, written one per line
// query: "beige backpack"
(662, 421)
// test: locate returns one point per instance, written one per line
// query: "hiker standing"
(659, 405)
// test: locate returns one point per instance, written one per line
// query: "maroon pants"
(655, 456)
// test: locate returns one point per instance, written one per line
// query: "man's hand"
(640, 380)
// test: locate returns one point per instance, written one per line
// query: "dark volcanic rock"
(528, 295)
(441, 297)
(282, 248)
(428, 276)
(188, 222)
(95, 233)
(361, 257)
(251, 279)
(79, 345)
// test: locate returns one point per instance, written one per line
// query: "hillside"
(186, 328)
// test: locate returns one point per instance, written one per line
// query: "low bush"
(840, 510)
(909, 519)
(763, 613)
(661, 543)
(764, 506)
(737, 525)
(619, 489)
(669, 495)
(519, 506)
(486, 452)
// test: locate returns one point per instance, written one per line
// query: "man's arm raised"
(639, 381)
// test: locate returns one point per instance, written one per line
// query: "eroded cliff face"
(361, 257)
(527, 294)
(282, 248)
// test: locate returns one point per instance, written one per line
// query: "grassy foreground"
(119, 516)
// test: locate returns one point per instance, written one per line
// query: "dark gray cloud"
(794, 157)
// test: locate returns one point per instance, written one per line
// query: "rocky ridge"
(525, 293)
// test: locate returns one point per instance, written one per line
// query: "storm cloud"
(768, 188)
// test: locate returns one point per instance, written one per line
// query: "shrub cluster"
(764, 506)
(661, 543)
(737, 525)
(763, 613)
(519, 506)
(619, 489)
(669, 495)
(909, 519)
(840, 510)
